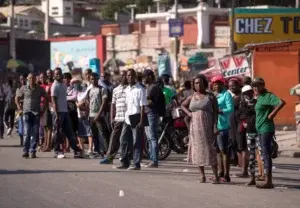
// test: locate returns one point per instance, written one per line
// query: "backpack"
(161, 102)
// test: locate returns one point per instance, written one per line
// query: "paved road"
(48, 182)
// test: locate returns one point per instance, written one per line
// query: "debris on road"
(121, 193)
(185, 170)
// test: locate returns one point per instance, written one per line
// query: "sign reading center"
(266, 25)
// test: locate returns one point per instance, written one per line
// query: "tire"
(164, 149)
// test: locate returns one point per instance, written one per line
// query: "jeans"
(64, 126)
(223, 140)
(9, 118)
(152, 136)
(2, 105)
(131, 142)
(31, 131)
(265, 141)
(114, 143)
(98, 138)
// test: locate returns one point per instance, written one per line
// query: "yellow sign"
(266, 25)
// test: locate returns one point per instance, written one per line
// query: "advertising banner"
(70, 55)
(235, 66)
(266, 25)
(213, 69)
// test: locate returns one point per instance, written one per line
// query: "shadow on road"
(13, 146)
(287, 166)
(154, 172)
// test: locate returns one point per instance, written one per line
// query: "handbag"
(135, 120)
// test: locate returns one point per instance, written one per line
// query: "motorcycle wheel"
(164, 149)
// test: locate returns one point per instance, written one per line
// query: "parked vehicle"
(173, 136)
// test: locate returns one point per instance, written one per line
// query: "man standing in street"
(62, 120)
(104, 82)
(31, 95)
(117, 118)
(133, 128)
(153, 94)
(2, 106)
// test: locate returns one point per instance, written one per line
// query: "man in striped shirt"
(117, 117)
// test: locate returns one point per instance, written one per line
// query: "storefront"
(266, 25)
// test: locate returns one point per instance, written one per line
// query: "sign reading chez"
(265, 25)
(235, 66)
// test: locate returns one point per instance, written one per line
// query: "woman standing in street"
(266, 108)
(202, 107)
(225, 104)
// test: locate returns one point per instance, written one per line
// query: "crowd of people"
(58, 111)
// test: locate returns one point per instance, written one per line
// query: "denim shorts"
(223, 140)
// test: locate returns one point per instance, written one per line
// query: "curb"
(289, 153)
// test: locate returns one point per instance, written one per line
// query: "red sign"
(235, 66)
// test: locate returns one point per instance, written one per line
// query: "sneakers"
(33, 155)
(134, 168)
(25, 155)
(78, 155)
(9, 132)
(152, 165)
(61, 156)
(106, 161)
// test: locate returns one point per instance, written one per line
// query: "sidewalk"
(288, 144)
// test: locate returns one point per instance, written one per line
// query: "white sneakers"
(61, 156)
(9, 132)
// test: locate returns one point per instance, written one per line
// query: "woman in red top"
(46, 118)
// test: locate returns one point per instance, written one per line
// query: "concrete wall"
(130, 46)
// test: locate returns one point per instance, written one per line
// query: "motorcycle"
(173, 136)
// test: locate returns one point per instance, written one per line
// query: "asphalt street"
(48, 182)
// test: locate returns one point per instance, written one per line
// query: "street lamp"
(157, 5)
(12, 35)
(132, 7)
(46, 24)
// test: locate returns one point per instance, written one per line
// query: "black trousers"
(114, 143)
(2, 105)
(9, 117)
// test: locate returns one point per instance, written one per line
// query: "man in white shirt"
(133, 127)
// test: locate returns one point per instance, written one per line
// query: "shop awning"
(13, 63)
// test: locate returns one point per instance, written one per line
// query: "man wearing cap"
(153, 116)
(266, 108)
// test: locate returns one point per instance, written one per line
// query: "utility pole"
(297, 4)
(176, 42)
(46, 24)
(12, 35)
(232, 20)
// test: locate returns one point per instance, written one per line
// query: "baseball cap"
(258, 80)
(246, 88)
(218, 79)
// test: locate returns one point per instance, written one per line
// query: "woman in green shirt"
(266, 108)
